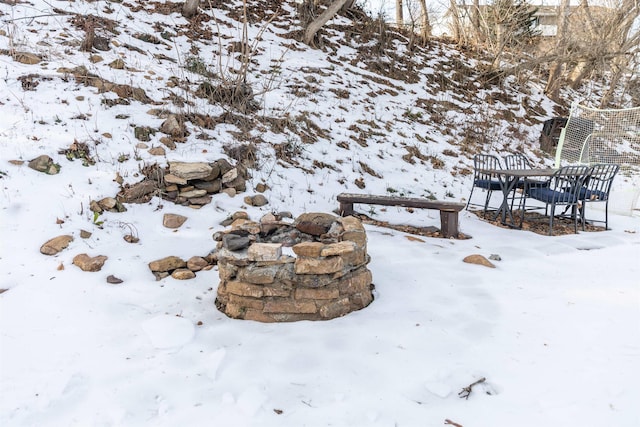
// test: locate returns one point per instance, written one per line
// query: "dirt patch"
(538, 223)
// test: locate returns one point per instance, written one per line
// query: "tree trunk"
(456, 26)
(554, 81)
(190, 8)
(475, 22)
(399, 14)
(325, 16)
(425, 29)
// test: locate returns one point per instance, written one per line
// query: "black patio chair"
(563, 189)
(596, 188)
(484, 180)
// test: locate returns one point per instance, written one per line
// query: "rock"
(196, 263)
(257, 200)
(172, 126)
(315, 224)
(188, 171)
(479, 260)
(140, 192)
(87, 263)
(183, 274)
(113, 280)
(192, 193)
(55, 245)
(223, 166)
(173, 179)
(44, 164)
(229, 176)
(26, 58)
(210, 187)
(108, 203)
(157, 151)
(173, 220)
(143, 133)
(84, 234)
(231, 192)
(233, 242)
(264, 252)
(495, 257)
(117, 64)
(261, 188)
(94, 59)
(169, 263)
(168, 142)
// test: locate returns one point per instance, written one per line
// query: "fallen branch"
(451, 423)
(466, 391)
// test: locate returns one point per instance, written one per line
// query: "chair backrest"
(516, 161)
(568, 181)
(597, 184)
(484, 161)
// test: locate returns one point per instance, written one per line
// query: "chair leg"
(553, 212)
(486, 201)
(606, 215)
(470, 195)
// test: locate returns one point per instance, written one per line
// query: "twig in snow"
(466, 391)
(451, 423)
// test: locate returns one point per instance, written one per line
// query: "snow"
(554, 328)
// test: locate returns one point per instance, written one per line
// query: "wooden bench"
(448, 210)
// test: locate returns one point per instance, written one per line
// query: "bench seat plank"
(448, 210)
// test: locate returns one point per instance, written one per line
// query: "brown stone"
(196, 263)
(246, 302)
(362, 299)
(276, 291)
(340, 248)
(317, 294)
(173, 179)
(211, 187)
(192, 193)
(87, 263)
(335, 309)
(356, 282)
(289, 306)
(157, 151)
(245, 289)
(167, 264)
(173, 220)
(55, 245)
(306, 265)
(308, 249)
(358, 237)
(479, 260)
(26, 58)
(183, 274)
(141, 191)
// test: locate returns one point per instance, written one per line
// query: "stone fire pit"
(313, 268)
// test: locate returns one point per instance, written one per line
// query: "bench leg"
(449, 223)
(346, 209)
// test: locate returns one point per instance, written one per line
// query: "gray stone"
(233, 242)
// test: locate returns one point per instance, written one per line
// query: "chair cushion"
(586, 194)
(487, 184)
(550, 196)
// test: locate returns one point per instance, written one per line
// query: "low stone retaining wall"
(323, 277)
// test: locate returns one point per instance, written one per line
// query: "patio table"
(509, 179)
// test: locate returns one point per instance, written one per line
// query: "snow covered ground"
(554, 329)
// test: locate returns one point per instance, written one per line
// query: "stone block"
(246, 302)
(277, 290)
(335, 309)
(361, 299)
(289, 306)
(305, 265)
(258, 275)
(317, 294)
(244, 289)
(264, 251)
(339, 248)
(356, 282)
(308, 249)
(358, 237)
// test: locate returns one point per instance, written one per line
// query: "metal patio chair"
(596, 188)
(563, 189)
(483, 180)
